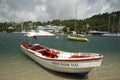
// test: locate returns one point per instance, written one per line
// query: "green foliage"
(99, 22)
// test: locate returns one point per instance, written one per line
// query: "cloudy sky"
(44, 10)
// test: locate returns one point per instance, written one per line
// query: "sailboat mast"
(109, 24)
(119, 25)
(21, 26)
(75, 18)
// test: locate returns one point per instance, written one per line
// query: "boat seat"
(37, 47)
(40, 50)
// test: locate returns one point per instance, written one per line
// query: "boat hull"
(78, 39)
(63, 65)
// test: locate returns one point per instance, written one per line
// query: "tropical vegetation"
(101, 22)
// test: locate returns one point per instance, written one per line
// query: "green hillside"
(100, 22)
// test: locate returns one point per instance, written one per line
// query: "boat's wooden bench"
(40, 50)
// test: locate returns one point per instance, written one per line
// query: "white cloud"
(106, 8)
(115, 4)
(40, 11)
(44, 10)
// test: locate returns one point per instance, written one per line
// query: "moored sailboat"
(74, 36)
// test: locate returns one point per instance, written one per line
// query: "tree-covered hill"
(105, 22)
(100, 22)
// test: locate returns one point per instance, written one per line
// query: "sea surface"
(15, 65)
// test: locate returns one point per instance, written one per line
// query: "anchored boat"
(74, 38)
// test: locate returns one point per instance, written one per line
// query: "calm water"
(15, 65)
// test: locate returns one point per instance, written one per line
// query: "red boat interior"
(50, 53)
(44, 51)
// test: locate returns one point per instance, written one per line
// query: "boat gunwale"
(64, 60)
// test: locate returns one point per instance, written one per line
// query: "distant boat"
(111, 34)
(74, 38)
(61, 61)
(23, 31)
(74, 33)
